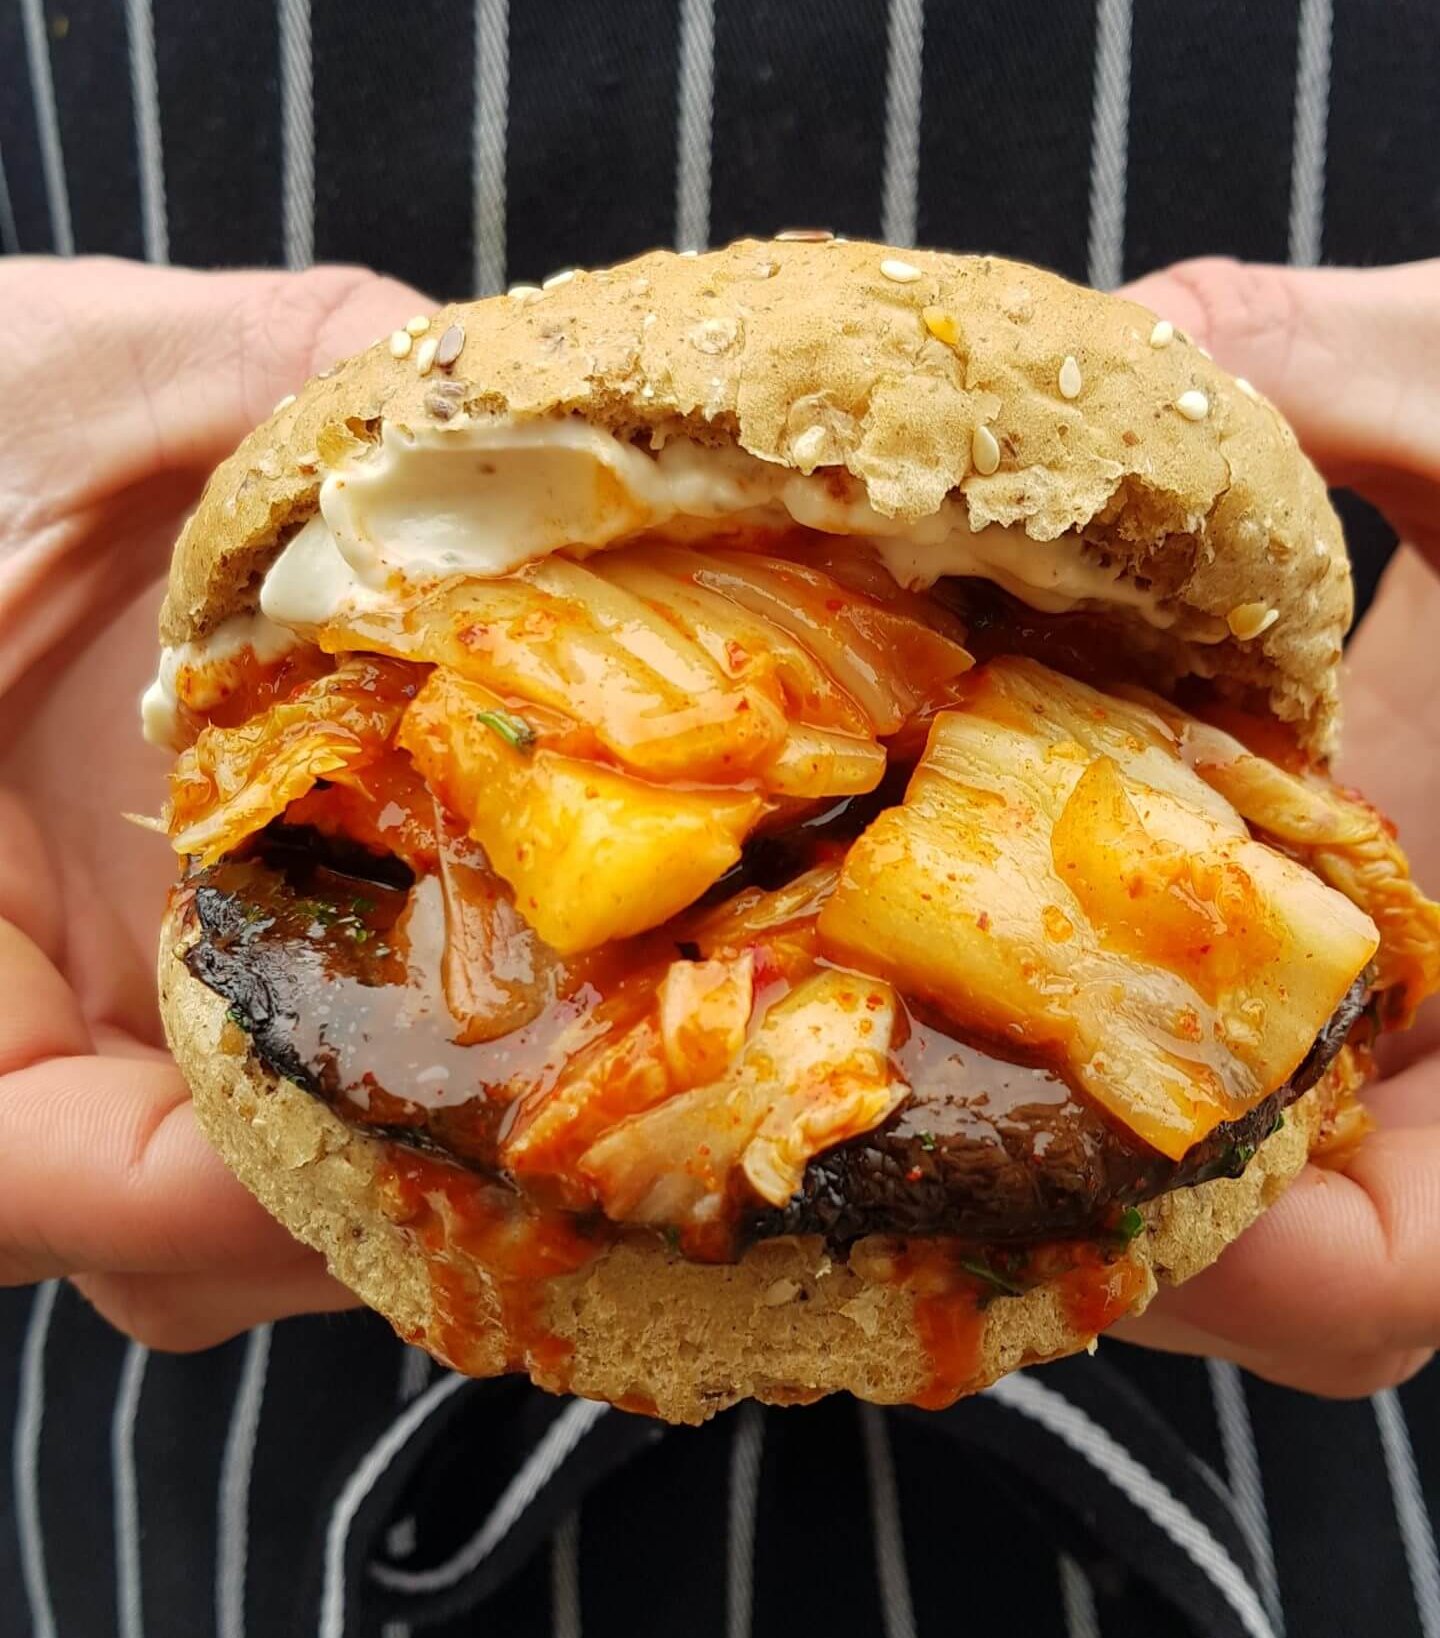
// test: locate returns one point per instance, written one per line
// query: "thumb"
(1352, 359)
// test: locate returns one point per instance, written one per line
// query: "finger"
(171, 367)
(28, 899)
(1391, 745)
(1344, 1263)
(1350, 357)
(1409, 1097)
(1331, 1375)
(113, 985)
(181, 1313)
(102, 1167)
(136, 381)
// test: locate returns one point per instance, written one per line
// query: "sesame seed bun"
(784, 1325)
(1043, 405)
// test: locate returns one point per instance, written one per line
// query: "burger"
(758, 824)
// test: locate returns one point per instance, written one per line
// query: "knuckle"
(1241, 304)
(299, 323)
(287, 311)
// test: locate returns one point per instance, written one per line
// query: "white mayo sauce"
(482, 497)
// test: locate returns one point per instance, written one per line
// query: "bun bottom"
(640, 1326)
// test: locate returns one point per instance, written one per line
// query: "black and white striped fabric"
(319, 1477)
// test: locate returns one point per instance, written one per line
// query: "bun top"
(1104, 426)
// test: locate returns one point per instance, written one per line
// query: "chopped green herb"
(362, 906)
(236, 1017)
(513, 730)
(1279, 1122)
(1243, 1154)
(672, 1237)
(983, 1271)
(1130, 1224)
(927, 1142)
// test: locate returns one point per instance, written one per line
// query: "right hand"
(123, 386)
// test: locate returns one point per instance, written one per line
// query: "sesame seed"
(647, 321)
(425, 355)
(557, 279)
(1246, 388)
(1248, 620)
(808, 447)
(716, 335)
(804, 236)
(444, 399)
(284, 403)
(1070, 380)
(638, 287)
(400, 343)
(943, 325)
(984, 450)
(418, 325)
(1163, 333)
(1321, 549)
(689, 255)
(899, 272)
(522, 292)
(1204, 352)
(1193, 405)
(451, 344)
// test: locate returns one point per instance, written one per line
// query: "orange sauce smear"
(1097, 1291)
(464, 1222)
(229, 692)
(1095, 1287)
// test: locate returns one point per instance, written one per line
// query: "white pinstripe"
(235, 1470)
(29, 1422)
(1077, 1597)
(1312, 115)
(554, 1445)
(745, 1454)
(489, 139)
(565, 1578)
(1109, 143)
(9, 238)
(297, 126)
(904, 60)
(1411, 1512)
(128, 1600)
(1242, 1468)
(359, 1485)
(47, 124)
(140, 25)
(1191, 1535)
(400, 1539)
(414, 1374)
(694, 106)
(888, 1534)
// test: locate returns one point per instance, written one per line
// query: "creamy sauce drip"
(482, 497)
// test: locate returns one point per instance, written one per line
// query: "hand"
(123, 386)
(1335, 1289)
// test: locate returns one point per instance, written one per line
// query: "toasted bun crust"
(784, 1325)
(763, 342)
